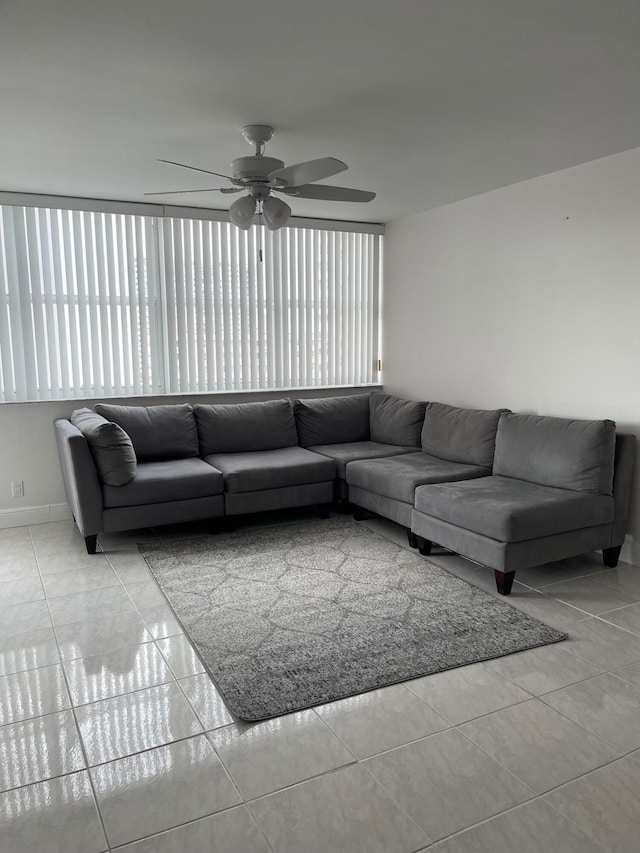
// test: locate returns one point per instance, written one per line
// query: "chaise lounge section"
(559, 487)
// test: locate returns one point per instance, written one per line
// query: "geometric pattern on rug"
(299, 614)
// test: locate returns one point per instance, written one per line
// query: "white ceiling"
(428, 101)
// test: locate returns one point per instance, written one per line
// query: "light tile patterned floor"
(112, 737)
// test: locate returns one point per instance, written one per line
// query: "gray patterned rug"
(292, 616)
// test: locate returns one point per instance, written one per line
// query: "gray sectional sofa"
(506, 490)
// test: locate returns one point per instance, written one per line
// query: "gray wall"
(527, 297)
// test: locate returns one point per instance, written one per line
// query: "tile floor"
(113, 737)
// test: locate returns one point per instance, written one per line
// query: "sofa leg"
(323, 511)
(424, 545)
(359, 513)
(610, 556)
(91, 543)
(504, 581)
(413, 539)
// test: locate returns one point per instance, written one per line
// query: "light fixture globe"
(241, 212)
(276, 213)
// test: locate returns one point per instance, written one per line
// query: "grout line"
(138, 689)
(572, 821)
(295, 784)
(193, 708)
(165, 657)
(75, 720)
(600, 618)
(541, 798)
(333, 733)
(587, 730)
(455, 725)
(563, 687)
(401, 809)
(225, 769)
(254, 820)
(568, 781)
(618, 609)
(181, 825)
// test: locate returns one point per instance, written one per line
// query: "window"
(99, 304)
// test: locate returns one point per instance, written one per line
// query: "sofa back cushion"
(460, 435)
(157, 432)
(395, 421)
(567, 454)
(246, 426)
(110, 447)
(332, 420)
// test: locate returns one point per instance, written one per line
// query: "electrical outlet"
(17, 489)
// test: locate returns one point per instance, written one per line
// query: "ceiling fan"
(261, 176)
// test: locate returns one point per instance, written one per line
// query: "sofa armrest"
(622, 481)
(81, 482)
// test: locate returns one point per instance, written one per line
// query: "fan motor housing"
(255, 167)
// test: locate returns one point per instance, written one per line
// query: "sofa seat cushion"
(512, 510)
(399, 476)
(342, 454)
(160, 482)
(253, 471)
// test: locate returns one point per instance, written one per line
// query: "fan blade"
(196, 169)
(327, 193)
(307, 173)
(208, 190)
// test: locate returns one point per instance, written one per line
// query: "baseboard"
(34, 515)
(630, 551)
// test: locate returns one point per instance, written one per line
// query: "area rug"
(292, 616)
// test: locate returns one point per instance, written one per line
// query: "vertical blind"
(96, 304)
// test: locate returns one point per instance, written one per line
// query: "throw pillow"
(110, 447)
(158, 433)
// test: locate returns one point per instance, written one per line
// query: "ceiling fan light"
(276, 213)
(241, 212)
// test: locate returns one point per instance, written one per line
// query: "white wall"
(526, 297)
(28, 448)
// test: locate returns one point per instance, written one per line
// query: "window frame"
(159, 304)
